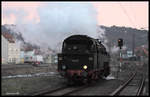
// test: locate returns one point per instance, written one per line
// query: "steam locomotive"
(83, 59)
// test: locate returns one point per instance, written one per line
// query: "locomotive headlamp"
(84, 67)
(120, 42)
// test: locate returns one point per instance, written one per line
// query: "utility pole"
(120, 61)
(133, 43)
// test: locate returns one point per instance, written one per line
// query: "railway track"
(65, 90)
(139, 87)
(62, 91)
(134, 84)
(46, 91)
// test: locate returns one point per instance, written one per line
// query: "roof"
(9, 37)
(79, 38)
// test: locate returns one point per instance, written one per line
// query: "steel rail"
(140, 89)
(60, 89)
(75, 90)
(121, 87)
(49, 91)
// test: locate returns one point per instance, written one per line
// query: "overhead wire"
(134, 16)
(133, 36)
(124, 10)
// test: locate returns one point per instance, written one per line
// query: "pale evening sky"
(129, 14)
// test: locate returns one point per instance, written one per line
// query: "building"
(54, 59)
(22, 56)
(4, 50)
(130, 53)
(48, 58)
(13, 55)
(28, 56)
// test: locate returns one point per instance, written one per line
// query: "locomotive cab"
(77, 45)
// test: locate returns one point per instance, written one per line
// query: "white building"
(48, 58)
(4, 50)
(13, 51)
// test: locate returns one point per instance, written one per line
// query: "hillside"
(113, 33)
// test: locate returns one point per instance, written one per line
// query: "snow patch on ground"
(110, 77)
(32, 75)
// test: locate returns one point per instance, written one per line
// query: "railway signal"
(120, 42)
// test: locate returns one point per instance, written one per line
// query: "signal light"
(120, 42)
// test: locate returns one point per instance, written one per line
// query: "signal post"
(120, 44)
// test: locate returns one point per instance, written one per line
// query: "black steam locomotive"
(83, 59)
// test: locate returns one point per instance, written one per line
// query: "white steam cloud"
(115, 49)
(56, 22)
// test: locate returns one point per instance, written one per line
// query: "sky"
(128, 14)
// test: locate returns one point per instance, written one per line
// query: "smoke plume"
(56, 22)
